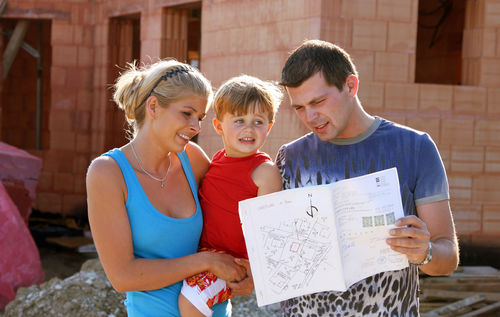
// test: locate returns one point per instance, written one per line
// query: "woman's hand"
(224, 267)
(245, 286)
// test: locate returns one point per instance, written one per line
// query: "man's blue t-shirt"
(310, 161)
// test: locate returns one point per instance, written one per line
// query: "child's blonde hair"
(243, 93)
(167, 80)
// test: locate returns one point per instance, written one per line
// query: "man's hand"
(411, 238)
(245, 286)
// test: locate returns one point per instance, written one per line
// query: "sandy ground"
(62, 263)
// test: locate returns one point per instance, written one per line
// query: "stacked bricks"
(255, 37)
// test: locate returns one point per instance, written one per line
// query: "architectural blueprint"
(324, 237)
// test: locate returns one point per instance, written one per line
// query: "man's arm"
(435, 224)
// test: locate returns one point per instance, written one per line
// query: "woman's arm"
(106, 192)
(199, 161)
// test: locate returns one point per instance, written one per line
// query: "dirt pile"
(86, 293)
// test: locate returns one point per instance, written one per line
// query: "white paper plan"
(326, 237)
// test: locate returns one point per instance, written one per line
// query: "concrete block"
(485, 189)
(64, 55)
(487, 132)
(426, 124)
(369, 35)
(63, 140)
(62, 33)
(401, 96)
(395, 10)
(489, 72)
(457, 131)
(467, 217)
(491, 219)
(337, 31)
(435, 97)
(371, 94)
(492, 13)
(460, 188)
(492, 159)
(359, 9)
(402, 37)
(365, 64)
(469, 99)
(468, 159)
(391, 67)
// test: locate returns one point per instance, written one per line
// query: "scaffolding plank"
(453, 307)
(480, 311)
(453, 295)
(13, 46)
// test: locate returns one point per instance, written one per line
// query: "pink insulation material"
(19, 172)
(19, 257)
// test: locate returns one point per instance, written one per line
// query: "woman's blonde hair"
(243, 93)
(167, 80)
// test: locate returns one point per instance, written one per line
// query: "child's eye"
(258, 122)
(239, 121)
(187, 114)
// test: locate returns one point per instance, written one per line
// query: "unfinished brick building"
(433, 68)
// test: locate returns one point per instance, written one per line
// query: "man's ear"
(270, 126)
(218, 126)
(352, 85)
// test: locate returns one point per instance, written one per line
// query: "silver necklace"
(162, 180)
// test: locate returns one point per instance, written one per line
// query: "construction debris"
(470, 291)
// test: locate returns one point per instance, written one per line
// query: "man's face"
(324, 109)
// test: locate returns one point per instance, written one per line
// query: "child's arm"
(267, 178)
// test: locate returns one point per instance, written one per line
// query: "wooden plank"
(476, 270)
(3, 5)
(452, 295)
(453, 307)
(480, 311)
(457, 280)
(13, 46)
(466, 287)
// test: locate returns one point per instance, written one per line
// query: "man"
(346, 142)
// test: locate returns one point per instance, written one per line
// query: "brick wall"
(254, 37)
(381, 36)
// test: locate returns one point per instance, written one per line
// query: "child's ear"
(218, 126)
(270, 126)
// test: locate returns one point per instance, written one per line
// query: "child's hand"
(245, 286)
(224, 267)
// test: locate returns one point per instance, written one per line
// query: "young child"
(245, 108)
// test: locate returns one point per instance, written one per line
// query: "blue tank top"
(157, 236)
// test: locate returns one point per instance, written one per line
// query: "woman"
(143, 205)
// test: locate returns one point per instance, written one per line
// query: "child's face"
(243, 135)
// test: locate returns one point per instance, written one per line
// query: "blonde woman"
(143, 204)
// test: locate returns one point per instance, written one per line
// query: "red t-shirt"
(227, 182)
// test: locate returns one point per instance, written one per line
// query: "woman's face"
(179, 122)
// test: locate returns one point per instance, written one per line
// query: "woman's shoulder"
(102, 168)
(198, 159)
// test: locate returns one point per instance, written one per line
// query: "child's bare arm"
(267, 178)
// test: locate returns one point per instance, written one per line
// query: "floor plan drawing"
(296, 250)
